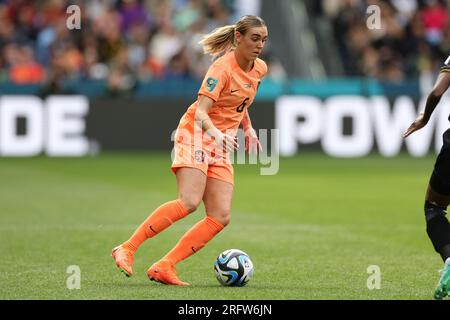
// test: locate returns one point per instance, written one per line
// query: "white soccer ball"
(233, 267)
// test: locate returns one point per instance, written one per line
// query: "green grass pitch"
(312, 230)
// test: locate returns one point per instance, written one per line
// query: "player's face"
(252, 43)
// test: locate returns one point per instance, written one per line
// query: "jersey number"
(242, 105)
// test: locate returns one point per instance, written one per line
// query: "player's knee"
(438, 227)
(190, 203)
(433, 211)
(224, 217)
(225, 221)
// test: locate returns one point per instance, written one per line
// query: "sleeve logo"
(211, 84)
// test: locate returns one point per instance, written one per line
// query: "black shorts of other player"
(440, 178)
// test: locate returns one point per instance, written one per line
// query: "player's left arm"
(246, 122)
(252, 144)
(441, 86)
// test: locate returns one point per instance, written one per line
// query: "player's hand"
(227, 142)
(419, 123)
(252, 144)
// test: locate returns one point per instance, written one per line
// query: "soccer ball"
(233, 268)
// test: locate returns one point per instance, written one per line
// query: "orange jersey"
(233, 91)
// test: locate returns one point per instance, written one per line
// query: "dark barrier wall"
(341, 126)
(148, 124)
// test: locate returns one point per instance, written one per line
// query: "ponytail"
(219, 41)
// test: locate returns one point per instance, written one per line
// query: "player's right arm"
(202, 119)
(442, 84)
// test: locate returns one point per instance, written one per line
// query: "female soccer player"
(204, 139)
(438, 193)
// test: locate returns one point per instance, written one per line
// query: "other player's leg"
(438, 229)
(436, 202)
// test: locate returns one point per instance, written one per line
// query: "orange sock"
(194, 239)
(159, 220)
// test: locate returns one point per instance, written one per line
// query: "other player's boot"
(443, 287)
(124, 259)
(164, 272)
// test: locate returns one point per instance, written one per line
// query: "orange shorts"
(213, 166)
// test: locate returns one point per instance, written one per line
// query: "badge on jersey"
(199, 156)
(211, 84)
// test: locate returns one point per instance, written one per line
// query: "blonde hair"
(222, 39)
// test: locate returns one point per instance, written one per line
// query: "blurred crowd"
(126, 41)
(120, 41)
(413, 39)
